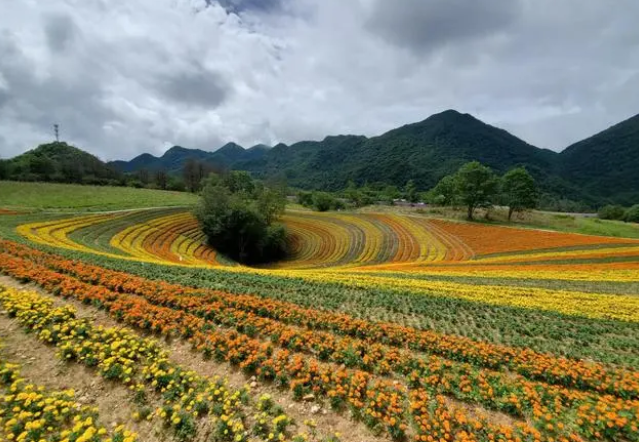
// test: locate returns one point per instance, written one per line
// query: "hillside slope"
(607, 164)
(60, 162)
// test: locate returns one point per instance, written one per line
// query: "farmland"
(379, 326)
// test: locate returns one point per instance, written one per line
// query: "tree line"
(473, 186)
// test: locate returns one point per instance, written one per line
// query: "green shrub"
(615, 212)
(632, 214)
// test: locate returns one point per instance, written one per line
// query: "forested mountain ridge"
(606, 165)
(423, 151)
(603, 168)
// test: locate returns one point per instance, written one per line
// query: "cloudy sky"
(123, 77)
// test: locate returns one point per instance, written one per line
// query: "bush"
(612, 212)
(305, 199)
(323, 202)
(632, 214)
(320, 201)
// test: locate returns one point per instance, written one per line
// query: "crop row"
(316, 252)
(378, 403)
(121, 356)
(435, 376)
(569, 302)
(534, 365)
(512, 394)
(31, 413)
(492, 240)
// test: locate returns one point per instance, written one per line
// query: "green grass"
(71, 197)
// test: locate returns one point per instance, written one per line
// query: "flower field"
(385, 250)
(410, 327)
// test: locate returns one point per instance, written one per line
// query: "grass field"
(382, 325)
(70, 197)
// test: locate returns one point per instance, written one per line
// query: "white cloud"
(122, 78)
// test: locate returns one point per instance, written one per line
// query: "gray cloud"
(427, 25)
(200, 74)
(238, 6)
(195, 86)
(60, 31)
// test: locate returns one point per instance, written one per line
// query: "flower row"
(493, 390)
(121, 356)
(31, 413)
(531, 364)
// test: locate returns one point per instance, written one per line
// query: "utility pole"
(56, 129)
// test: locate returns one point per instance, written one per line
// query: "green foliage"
(59, 162)
(598, 170)
(519, 190)
(237, 215)
(476, 185)
(390, 194)
(410, 192)
(423, 152)
(612, 211)
(445, 192)
(305, 198)
(357, 197)
(632, 214)
(324, 201)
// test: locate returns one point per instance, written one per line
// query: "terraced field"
(333, 241)
(378, 327)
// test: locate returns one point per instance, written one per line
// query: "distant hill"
(424, 152)
(174, 159)
(58, 162)
(601, 169)
(606, 165)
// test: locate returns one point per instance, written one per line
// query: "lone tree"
(476, 186)
(445, 191)
(411, 192)
(519, 191)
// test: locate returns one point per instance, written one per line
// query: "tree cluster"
(239, 217)
(477, 186)
(619, 213)
(320, 201)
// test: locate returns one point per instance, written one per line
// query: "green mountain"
(424, 151)
(174, 159)
(606, 165)
(58, 162)
(601, 169)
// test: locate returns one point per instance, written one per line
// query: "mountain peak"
(230, 147)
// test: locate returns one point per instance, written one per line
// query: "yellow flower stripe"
(54, 233)
(568, 254)
(620, 307)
